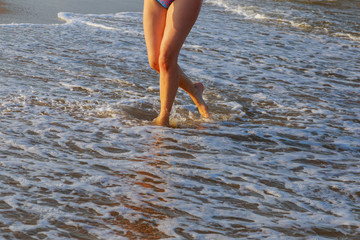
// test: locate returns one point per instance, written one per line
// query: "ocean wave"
(245, 11)
(272, 15)
(77, 18)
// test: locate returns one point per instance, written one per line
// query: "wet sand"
(40, 11)
(3, 8)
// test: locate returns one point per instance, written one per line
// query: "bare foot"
(197, 97)
(161, 121)
(199, 101)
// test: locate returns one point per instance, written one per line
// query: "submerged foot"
(197, 97)
(159, 121)
(199, 101)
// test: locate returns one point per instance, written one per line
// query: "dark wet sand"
(43, 11)
(3, 8)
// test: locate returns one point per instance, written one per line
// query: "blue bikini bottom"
(165, 4)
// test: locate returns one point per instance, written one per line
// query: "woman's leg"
(180, 18)
(154, 19)
(195, 90)
(154, 25)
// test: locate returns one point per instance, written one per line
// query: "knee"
(154, 63)
(166, 61)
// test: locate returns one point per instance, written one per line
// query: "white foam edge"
(237, 9)
(73, 86)
(67, 17)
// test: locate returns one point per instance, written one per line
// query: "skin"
(165, 33)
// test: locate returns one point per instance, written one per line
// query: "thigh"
(181, 17)
(154, 17)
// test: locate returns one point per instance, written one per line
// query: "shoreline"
(46, 12)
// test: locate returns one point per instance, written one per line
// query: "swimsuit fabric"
(165, 4)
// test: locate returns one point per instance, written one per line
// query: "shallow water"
(279, 158)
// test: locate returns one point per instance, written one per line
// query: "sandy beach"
(41, 11)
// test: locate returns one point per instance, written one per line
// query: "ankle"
(161, 121)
